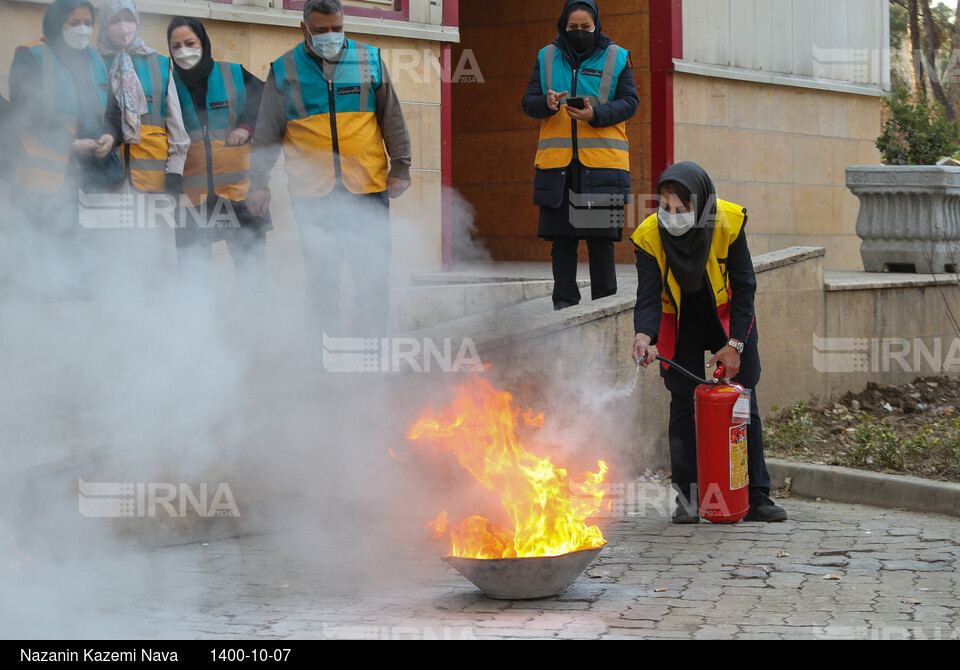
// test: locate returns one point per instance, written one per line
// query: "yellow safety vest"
(729, 226)
(228, 168)
(596, 80)
(147, 161)
(42, 168)
(332, 133)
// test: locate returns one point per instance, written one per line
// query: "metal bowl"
(524, 578)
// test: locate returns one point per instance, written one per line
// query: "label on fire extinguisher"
(741, 410)
(738, 457)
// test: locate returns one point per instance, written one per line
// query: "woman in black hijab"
(59, 99)
(220, 102)
(696, 293)
(582, 91)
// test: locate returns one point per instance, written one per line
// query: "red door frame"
(451, 17)
(666, 43)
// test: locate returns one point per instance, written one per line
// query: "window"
(397, 10)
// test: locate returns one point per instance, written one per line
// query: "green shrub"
(794, 433)
(875, 444)
(917, 133)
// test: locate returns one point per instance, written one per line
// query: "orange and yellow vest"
(332, 134)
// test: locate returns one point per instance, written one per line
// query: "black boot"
(685, 513)
(761, 509)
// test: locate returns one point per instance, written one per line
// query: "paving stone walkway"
(832, 571)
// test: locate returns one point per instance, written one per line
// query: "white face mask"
(327, 45)
(77, 37)
(676, 224)
(187, 58)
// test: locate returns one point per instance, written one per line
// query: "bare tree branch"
(913, 27)
(930, 55)
(955, 49)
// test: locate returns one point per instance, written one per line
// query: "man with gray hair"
(330, 104)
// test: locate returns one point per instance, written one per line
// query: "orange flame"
(548, 511)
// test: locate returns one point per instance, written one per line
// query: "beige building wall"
(781, 152)
(414, 67)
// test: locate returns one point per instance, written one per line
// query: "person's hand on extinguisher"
(643, 353)
(730, 358)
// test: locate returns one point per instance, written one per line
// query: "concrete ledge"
(527, 320)
(496, 271)
(839, 484)
(416, 307)
(852, 280)
(783, 257)
(775, 78)
(534, 318)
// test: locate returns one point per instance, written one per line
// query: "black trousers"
(603, 269)
(700, 331)
(247, 245)
(248, 249)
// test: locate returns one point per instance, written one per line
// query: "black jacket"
(551, 187)
(743, 283)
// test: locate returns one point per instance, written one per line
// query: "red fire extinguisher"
(723, 495)
(722, 484)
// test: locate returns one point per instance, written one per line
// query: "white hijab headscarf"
(123, 77)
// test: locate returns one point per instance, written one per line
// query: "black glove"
(173, 184)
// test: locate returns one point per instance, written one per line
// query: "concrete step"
(417, 307)
(478, 288)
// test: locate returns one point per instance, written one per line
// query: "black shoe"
(764, 510)
(681, 515)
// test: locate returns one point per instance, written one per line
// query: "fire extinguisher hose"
(699, 380)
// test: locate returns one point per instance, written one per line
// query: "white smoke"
(150, 379)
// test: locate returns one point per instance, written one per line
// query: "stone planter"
(909, 217)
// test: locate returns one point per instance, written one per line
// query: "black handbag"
(102, 175)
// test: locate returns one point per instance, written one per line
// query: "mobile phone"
(576, 103)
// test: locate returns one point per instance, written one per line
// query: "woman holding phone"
(583, 92)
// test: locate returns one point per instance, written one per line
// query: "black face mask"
(580, 39)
